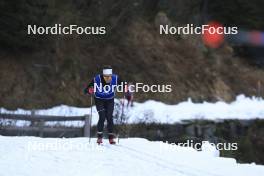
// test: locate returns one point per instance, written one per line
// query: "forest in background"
(43, 71)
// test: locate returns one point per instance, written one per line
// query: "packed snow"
(31, 156)
(154, 111)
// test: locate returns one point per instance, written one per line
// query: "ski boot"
(99, 138)
(111, 138)
(99, 141)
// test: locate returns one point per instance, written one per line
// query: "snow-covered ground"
(154, 111)
(31, 156)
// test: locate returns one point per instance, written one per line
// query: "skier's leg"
(110, 124)
(128, 100)
(102, 115)
(109, 115)
(131, 101)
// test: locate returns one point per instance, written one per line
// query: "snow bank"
(30, 156)
(154, 111)
(242, 108)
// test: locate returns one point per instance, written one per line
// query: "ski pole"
(91, 115)
(122, 113)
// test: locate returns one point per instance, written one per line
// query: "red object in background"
(255, 37)
(213, 40)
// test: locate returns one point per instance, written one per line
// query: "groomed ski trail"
(26, 156)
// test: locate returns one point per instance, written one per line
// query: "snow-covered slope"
(31, 156)
(153, 111)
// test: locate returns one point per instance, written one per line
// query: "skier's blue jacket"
(103, 92)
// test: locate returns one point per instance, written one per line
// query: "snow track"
(30, 156)
(178, 168)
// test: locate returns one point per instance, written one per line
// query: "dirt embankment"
(55, 71)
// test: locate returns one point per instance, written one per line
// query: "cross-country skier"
(129, 94)
(104, 100)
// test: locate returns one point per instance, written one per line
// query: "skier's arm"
(91, 84)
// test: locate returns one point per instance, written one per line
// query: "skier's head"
(107, 73)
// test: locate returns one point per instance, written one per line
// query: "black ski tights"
(105, 110)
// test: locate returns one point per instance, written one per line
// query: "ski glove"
(88, 91)
(91, 90)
